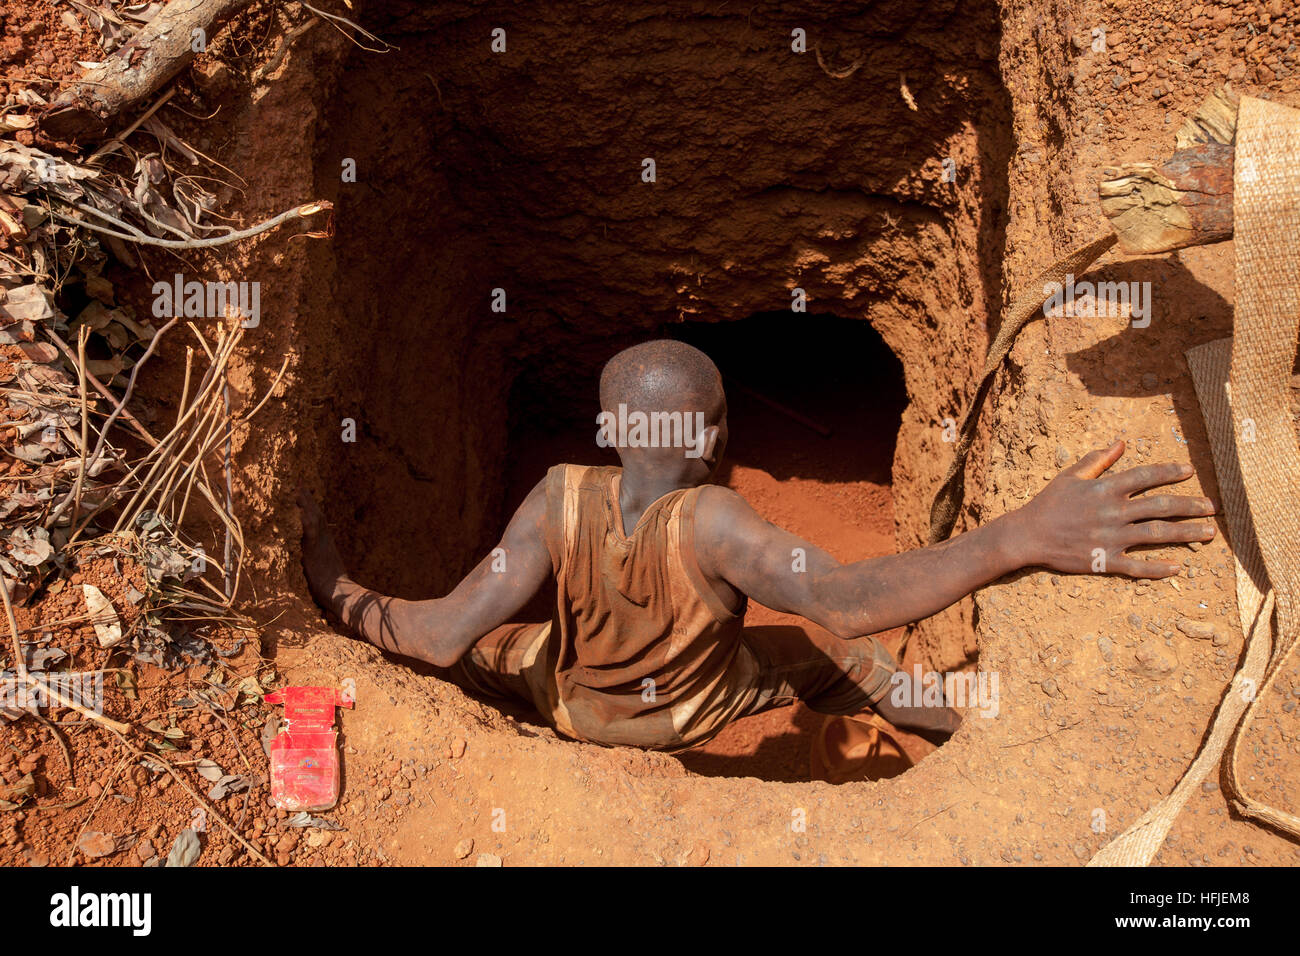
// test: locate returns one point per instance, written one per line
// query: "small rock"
(145, 850)
(488, 859)
(1196, 630)
(698, 856)
(1154, 659)
(463, 849)
(95, 844)
(457, 749)
(1050, 688)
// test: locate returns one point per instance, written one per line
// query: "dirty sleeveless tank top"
(643, 650)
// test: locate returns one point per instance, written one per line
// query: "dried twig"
(335, 20)
(836, 74)
(82, 334)
(230, 489)
(99, 387)
(108, 786)
(117, 411)
(63, 744)
(120, 138)
(126, 78)
(304, 211)
(20, 661)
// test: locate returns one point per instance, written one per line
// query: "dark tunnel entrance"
(816, 398)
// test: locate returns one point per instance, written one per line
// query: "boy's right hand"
(1084, 523)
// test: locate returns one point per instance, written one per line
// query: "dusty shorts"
(774, 667)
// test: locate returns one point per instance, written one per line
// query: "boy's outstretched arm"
(438, 630)
(1081, 522)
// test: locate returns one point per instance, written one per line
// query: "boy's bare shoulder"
(718, 498)
(721, 512)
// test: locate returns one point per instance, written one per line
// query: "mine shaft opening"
(809, 397)
(497, 253)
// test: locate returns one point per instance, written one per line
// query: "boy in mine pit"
(654, 565)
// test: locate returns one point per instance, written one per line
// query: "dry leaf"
(28, 548)
(105, 368)
(185, 850)
(40, 658)
(101, 610)
(16, 794)
(26, 304)
(42, 352)
(16, 121)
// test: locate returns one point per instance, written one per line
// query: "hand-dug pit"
(502, 243)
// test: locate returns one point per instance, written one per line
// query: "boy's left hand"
(1084, 523)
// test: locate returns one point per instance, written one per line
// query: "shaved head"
(663, 375)
(663, 408)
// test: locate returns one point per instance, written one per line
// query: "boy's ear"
(707, 442)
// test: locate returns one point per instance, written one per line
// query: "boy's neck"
(641, 487)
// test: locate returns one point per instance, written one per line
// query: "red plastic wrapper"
(305, 753)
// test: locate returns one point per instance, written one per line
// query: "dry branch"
(1186, 201)
(160, 50)
(135, 235)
